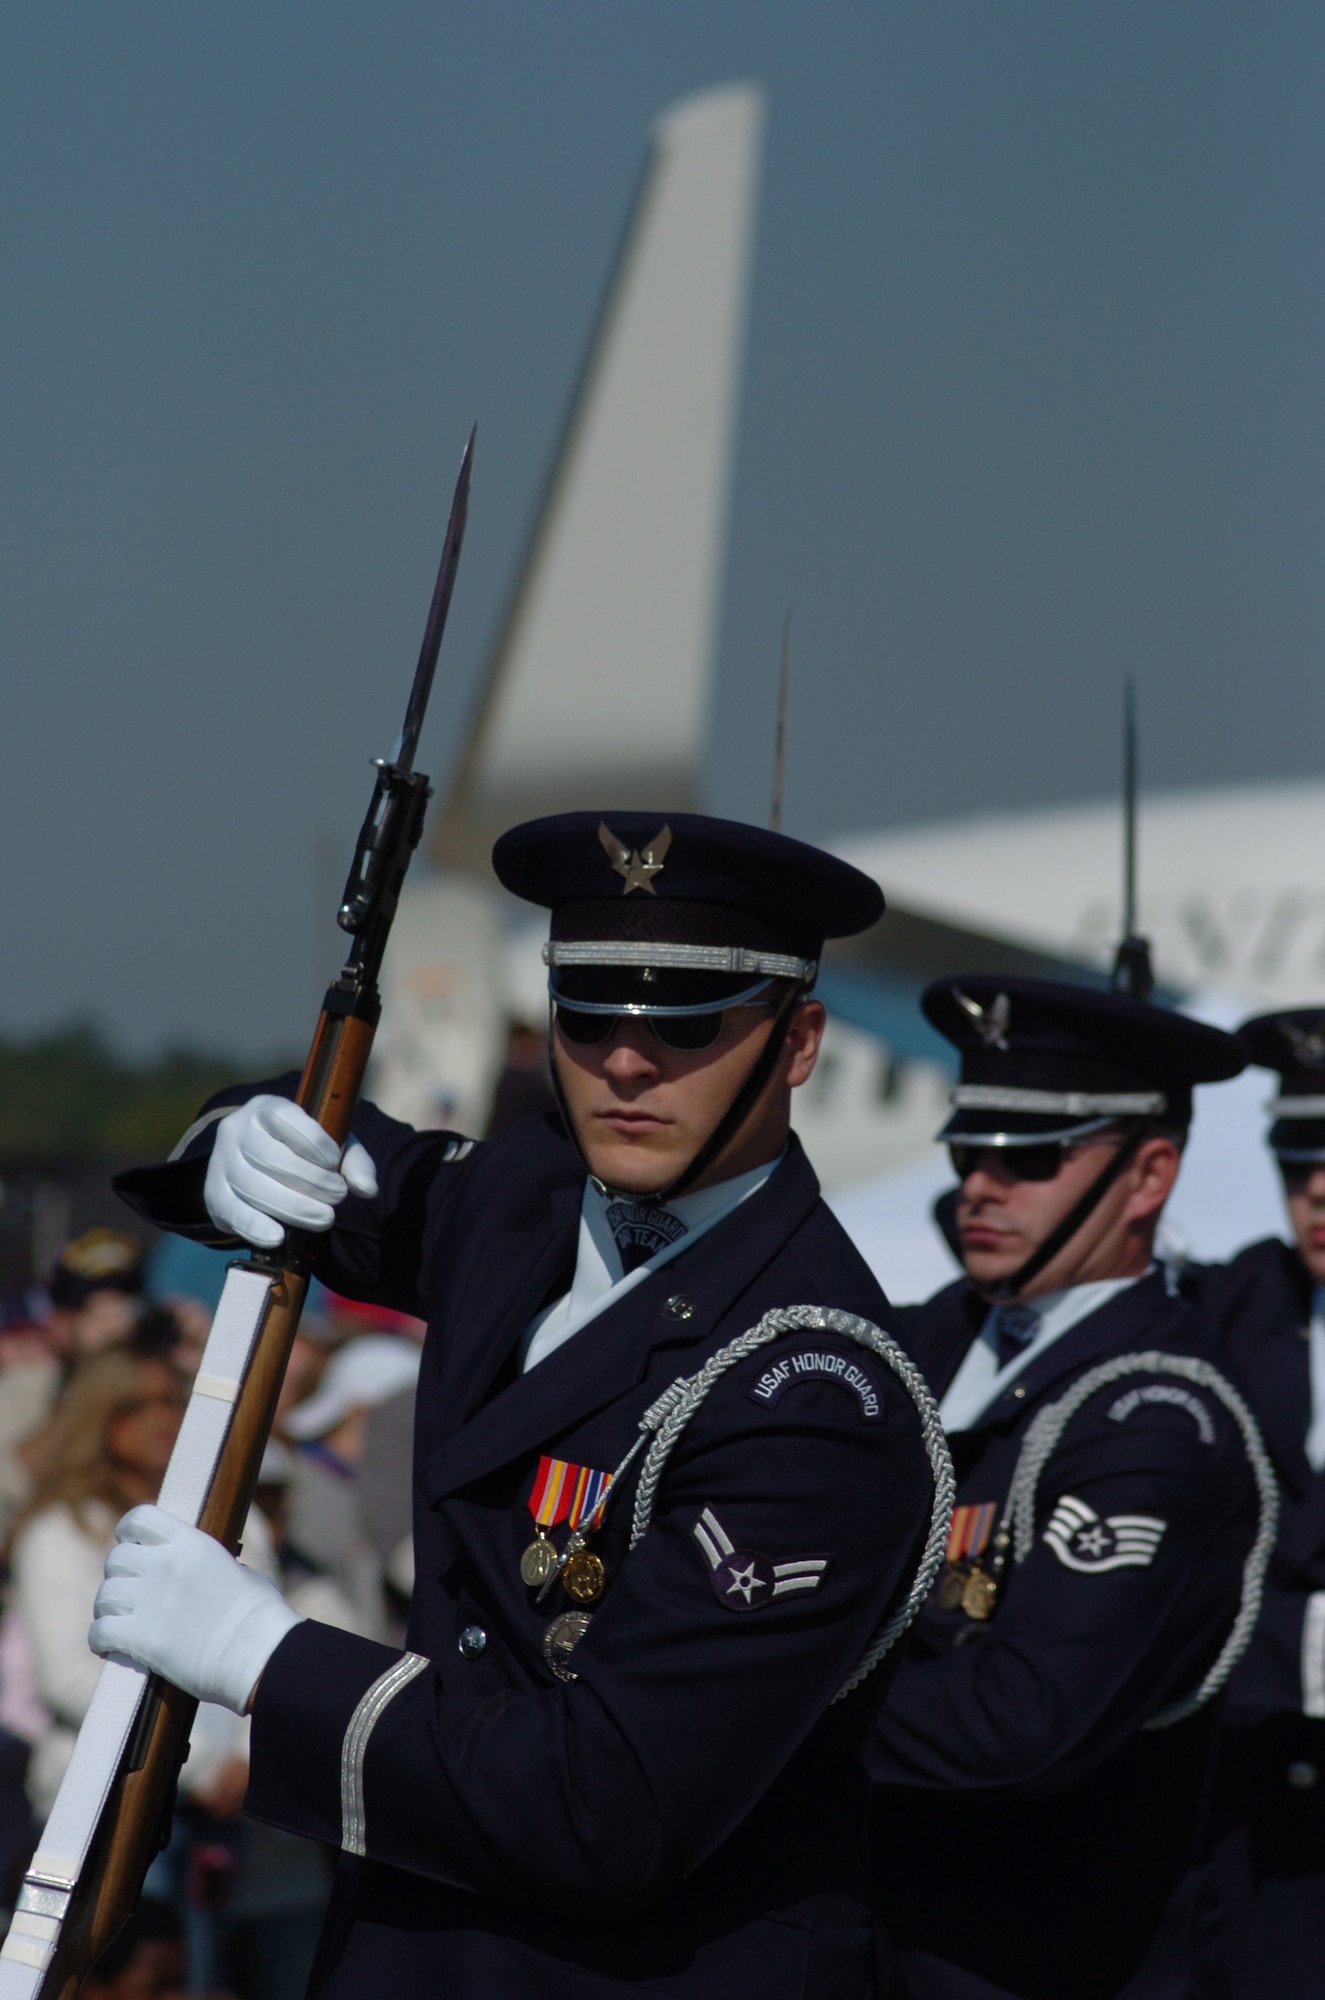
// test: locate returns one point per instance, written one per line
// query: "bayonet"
(1133, 973)
(780, 744)
(441, 603)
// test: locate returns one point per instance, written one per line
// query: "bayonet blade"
(441, 604)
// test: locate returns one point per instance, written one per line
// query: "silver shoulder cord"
(660, 1427)
(665, 1420)
(1042, 1440)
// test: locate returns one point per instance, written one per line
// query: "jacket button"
(678, 1307)
(473, 1641)
(1019, 1392)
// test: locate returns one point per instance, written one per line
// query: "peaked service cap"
(1044, 1060)
(657, 912)
(1293, 1043)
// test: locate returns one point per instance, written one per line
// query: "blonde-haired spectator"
(108, 1447)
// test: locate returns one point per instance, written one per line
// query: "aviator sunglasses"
(1018, 1163)
(687, 1032)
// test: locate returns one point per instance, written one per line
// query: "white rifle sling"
(53, 1876)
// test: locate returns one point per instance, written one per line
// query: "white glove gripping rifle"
(114, 1804)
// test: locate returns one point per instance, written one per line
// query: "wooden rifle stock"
(137, 1812)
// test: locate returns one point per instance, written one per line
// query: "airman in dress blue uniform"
(1041, 1766)
(606, 1763)
(1270, 1306)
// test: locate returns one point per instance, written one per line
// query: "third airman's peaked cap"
(1293, 1043)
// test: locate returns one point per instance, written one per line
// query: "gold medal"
(978, 1595)
(538, 1562)
(584, 1577)
(561, 1638)
(951, 1585)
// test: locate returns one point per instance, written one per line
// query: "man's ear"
(1153, 1173)
(804, 1037)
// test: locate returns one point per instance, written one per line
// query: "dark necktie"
(640, 1231)
(1015, 1327)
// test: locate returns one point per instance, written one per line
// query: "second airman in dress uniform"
(1043, 1751)
(1270, 1307)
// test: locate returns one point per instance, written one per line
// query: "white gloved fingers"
(125, 1559)
(149, 1524)
(109, 1602)
(265, 1152)
(358, 1169)
(174, 1601)
(293, 1128)
(298, 1207)
(272, 1161)
(240, 1218)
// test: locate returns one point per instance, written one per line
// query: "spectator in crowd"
(146, 1961)
(250, 1898)
(95, 1298)
(107, 1448)
(325, 1524)
(96, 1292)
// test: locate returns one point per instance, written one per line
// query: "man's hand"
(273, 1167)
(174, 1601)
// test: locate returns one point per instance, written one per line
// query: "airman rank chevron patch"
(744, 1581)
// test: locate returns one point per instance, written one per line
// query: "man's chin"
(633, 1170)
(987, 1268)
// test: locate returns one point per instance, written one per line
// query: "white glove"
(175, 1602)
(272, 1164)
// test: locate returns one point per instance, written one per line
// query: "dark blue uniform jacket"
(1271, 1802)
(687, 1818)
(1030, 1833)
(1262, 1305)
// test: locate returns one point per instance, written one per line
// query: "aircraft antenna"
(1133, 973)
(780, 743)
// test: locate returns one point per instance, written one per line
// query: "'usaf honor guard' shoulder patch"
(818, 1364)
(744, 1581)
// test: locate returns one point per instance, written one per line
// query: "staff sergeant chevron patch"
(1082, 1541)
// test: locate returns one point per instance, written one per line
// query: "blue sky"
(1034, 400)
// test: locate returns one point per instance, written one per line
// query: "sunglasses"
(687, 1032)
(1018, 1163)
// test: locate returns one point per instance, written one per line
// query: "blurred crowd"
(95, 1370)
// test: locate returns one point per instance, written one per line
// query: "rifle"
(115, 1801)
(1133, 973)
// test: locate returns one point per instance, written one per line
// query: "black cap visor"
(1020, 1128)
(1298, 1141)
(652, 989)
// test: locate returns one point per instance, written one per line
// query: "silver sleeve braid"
(673, 1410)
(1042, 1440)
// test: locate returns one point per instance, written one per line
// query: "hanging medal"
(980, 1594)
(538, 1561)
(575, 1494)
(964, 1585)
